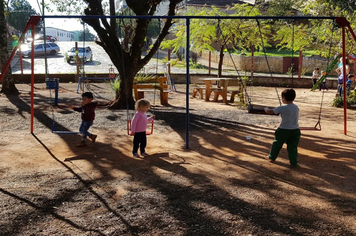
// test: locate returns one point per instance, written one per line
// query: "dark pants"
(289, 136)
(340, 90)
(84, 127)
(323, 86)
(140, 140)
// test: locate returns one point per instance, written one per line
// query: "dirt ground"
(220, 185)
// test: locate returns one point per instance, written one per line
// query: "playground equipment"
(84, 81)
(149, 129)
(341, 21)
(53, 83)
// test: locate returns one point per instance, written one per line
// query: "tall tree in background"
(282, 7)
(345, 5)
(322, 33)
(8, 84)
(128, 60)
(214, 35)
(19, 13)
(85, 35)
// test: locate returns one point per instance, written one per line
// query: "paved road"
(57, 64)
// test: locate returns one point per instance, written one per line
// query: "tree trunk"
(221, 60)
(128, 59)
(124, 98)
(8, 84)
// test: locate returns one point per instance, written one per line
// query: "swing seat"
(149, 129)
(65, 132)
(55, 131)
(317, 127)
(310, 128)
(257, 109)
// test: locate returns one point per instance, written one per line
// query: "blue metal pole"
(56, 96)
(187, 85)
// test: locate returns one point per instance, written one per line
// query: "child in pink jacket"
(139, 125)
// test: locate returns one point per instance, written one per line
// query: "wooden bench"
(235, 90)
(152, 85)
(218, 91)
(225, 87)
(198, 87)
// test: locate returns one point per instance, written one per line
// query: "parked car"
(84, 54)
(51, 49)
(40, 37)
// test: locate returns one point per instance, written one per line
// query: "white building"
(59, 34)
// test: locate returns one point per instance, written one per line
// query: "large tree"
(219, 35)
(126, 55)
(323, 33)
(8, 84)
(19, 13)
(345, 5)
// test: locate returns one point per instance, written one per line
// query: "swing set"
(34, 20)
(257, 109)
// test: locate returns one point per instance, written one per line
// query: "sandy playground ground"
(221, 185)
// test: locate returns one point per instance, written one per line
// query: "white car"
(84, 54)
(40, 49)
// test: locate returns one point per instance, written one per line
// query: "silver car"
(84, 54)
(48, 48)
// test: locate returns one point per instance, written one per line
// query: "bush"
(115, 85)
(350, 100)
(142, 78)
(193, 65)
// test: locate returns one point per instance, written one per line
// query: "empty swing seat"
(317, 127)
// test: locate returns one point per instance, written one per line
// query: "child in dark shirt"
(349, 82)
(88, 115)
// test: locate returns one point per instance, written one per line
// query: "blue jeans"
(84, 129)
(340, 90)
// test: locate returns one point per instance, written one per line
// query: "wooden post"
(300, 67)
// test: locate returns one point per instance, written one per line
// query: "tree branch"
(164, 32)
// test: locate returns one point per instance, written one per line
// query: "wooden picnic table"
(221, 88)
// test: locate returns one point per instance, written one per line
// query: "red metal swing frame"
(149, 129)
